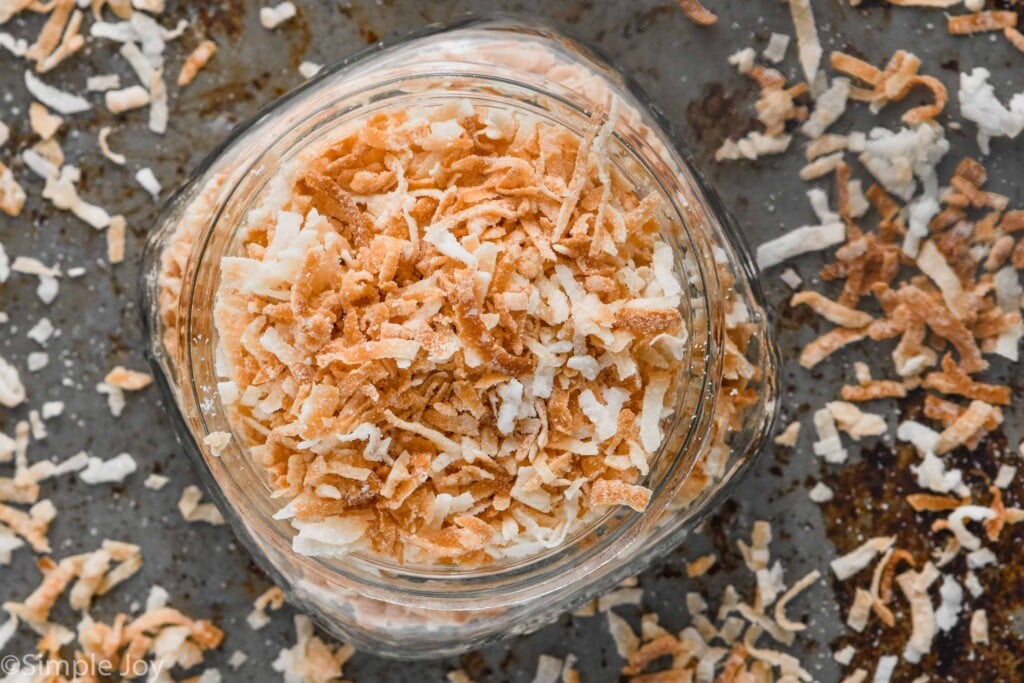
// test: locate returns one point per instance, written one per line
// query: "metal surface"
(682, 66)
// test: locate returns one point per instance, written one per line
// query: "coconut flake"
(800, 241)
(952, 602)
(979, 627)
(272, 17)
(807, 42)
(979, 104)
(103, 82)
(192, 510)
(58, 100)
(12, 391)
(309, 69)
(112, 471)
(821, 493)
(829, 106)
(147, 179)
(860, 557)
(775, 51)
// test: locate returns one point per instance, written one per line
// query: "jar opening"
(465, 88)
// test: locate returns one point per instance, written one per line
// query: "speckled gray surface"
(682, 66)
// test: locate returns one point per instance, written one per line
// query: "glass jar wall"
(724, 407)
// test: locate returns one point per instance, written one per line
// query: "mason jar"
(725, 407)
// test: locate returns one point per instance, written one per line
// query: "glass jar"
(723, 412)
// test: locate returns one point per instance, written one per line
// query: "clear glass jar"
(724, 410)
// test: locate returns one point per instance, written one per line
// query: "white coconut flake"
(156, 482)
(932, 474)
(103, 82)
(829, 106)
(147, 179)
(982, 557)
(919, 214)
(334, 537)
(16, 46)
(791, 278)
(845, 655)
(979, 104)
(1005, 476)
(800, 241)
(237, 659)
(807, 42)
(885, 668)
(860, 557)
(775, 51)
(898, 159)
(828, 446)
(605, 417)
(924, 438)
(821, 493)
(952, 603)
(37, 360)
(58, 100)
(309, 69)
(12, 391)
(974, 513)
(272, 17)
(110, 471)
(549, 669)
(753, 145)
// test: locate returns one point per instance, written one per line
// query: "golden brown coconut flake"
(697, 13)
(978, 22)
(195, 61)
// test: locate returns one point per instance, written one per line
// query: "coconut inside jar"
(452, 335)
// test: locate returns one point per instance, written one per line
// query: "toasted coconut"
(855, 422)
(195, 61)
(700, 566)
(929, 111)
(193, 511)
(615, 492)
(104, 143)
(927, 502)
(1015, 37)
(116, 240)
(978, 22)
(132, 97)
(952, 380)
(965, 426)
(946, 325)
(830, 310)
(697, 13)
(44, 124)
(794, 590)
(128, 380)
(828, 343)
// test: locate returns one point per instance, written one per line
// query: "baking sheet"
(681, 65)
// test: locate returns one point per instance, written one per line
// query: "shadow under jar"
(723, 408)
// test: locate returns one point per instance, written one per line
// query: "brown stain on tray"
(870, 501)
